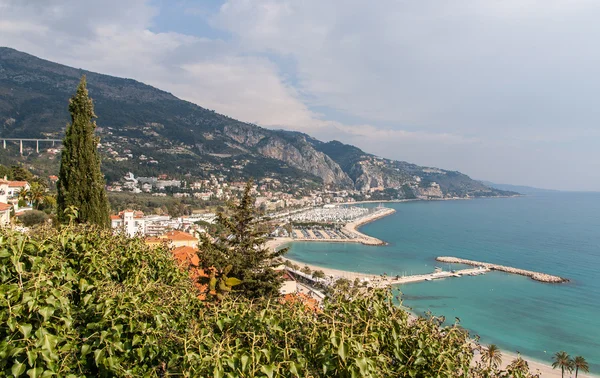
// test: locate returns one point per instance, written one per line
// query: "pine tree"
(80, 182)
(239, 251)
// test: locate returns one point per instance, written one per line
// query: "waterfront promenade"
(542, 277)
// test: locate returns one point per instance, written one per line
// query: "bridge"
(37, 142)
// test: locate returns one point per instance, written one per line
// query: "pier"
(542, 277)
(438, 274)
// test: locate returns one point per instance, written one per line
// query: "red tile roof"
(179, 235)
(186, 255)
(17, 183)
(4, 207)
(308, 302)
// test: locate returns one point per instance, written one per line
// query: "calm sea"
(556, 233)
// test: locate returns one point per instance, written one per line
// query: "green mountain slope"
(150, 131)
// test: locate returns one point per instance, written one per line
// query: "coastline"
(542, 367)
(535, 366)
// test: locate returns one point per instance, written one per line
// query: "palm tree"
(580, 363)
(563, 361)
(36, 194)
(518, 367)
(25, 195)
(492, 356)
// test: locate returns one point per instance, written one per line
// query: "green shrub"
(33, 217)
(84, 302)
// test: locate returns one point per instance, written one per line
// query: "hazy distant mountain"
(149, 131)
(518, 188)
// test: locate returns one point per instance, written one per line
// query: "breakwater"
(542, 277)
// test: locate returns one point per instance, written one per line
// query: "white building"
(13, 188)
(4, 214)
(130, 222)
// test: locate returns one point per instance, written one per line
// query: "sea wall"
(542, 277)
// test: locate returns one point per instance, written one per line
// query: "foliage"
(579, 363)
(81, 183)
(241, 245)
(81, 301)
(492, 356)
(32, 218)
(562, 361)
(318, 274)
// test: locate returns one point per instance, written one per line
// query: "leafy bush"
(33, 217)
(83, 302)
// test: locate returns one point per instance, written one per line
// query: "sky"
(502, 90)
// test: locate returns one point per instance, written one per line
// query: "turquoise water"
(556, 233)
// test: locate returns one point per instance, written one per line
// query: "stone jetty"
(542, 277)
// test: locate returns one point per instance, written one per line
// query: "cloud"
(488, 87)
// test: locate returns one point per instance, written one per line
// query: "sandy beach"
(544, 369)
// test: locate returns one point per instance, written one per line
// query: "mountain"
(149, 131)
(518, 188)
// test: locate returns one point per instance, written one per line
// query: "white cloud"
(488, 87)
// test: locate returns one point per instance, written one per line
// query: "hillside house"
(174, 239)
(130, 222)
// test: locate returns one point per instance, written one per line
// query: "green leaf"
(232, 281)
(46, 312)
(294, 369)
(17, 369)
(245, 358)
(34, 373)
(362, 365)
(85, 349)
(343, 350)
(25, 330)
(98, 356)
(268, 370)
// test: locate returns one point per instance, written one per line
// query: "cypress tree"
(80, 181)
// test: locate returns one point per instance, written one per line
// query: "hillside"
(149, 131)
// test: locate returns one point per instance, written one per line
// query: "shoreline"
(535, 365)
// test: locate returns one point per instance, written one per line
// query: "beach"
(507, 357)
(535, 366)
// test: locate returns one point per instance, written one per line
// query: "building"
(13, 188)
(130, 222)
(174, 239)
(289, 285)
(4, 214)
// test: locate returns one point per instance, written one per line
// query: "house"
(4, 214)
(174, 239)
(130, 222)
(13, 188)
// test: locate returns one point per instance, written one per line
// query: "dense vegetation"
(82, 301)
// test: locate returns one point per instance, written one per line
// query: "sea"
(555, 232)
